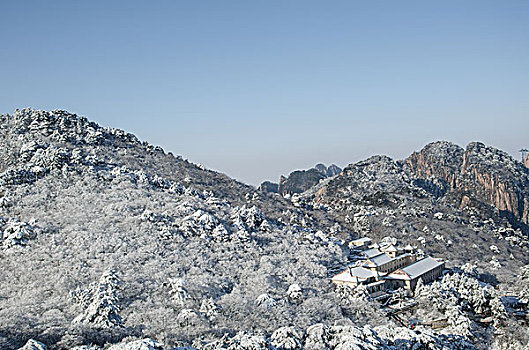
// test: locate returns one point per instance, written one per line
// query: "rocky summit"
(478, 174)
(109, 242)
(300, 180)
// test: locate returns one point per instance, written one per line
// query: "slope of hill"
(85, 199)
(106, 239)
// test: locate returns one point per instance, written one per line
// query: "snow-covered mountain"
(107, 241)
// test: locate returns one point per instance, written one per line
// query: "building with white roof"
(363, 242)
(388, 267)
(392, 251)
(372, 252)
(427, 269)
(353, 276)
(384, 263)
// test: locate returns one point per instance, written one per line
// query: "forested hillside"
(110, 242)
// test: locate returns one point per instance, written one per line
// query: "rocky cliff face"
(439, 160)
(477, 174)
(526, 162)
(268, 187)
(300, 180)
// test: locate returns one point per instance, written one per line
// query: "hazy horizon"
(257, 90)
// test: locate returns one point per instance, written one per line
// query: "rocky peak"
(375, 165)
(321, 168)
(300, 180)
(526, 162)
(268, 187)
(365, 181)
(332, 170)
(479, 173)
(494, 177)
(440, 160)
(62, 126)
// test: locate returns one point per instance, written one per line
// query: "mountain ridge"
(107, 240)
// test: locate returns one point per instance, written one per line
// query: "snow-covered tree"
(15, 233)
(103, 310)
(188, 317)
(294, 293)
(245, 341)
(458, 321)
(286, 338)
(178, 292)
(142, 344)
(265, 301)
(210, 308)
(523, 283)
(317, 337)
(498, 311)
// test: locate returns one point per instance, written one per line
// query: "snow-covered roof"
(354, 274)
(371, 253)
(382, 259)
(362, 240)
(379, 260)
(391, 248)
(417, 269)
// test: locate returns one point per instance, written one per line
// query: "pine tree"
(178, 291)
(103, 311)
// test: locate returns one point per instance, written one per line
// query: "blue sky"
(256, 89)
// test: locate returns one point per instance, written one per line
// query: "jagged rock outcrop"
(526, 162)
(332, 170)
(300, 180)
(438, 160)
(268, 187)
(477, 174)
(442, 196)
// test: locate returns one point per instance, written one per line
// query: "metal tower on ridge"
(524, 152)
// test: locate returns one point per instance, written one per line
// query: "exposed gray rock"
(269, 187)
